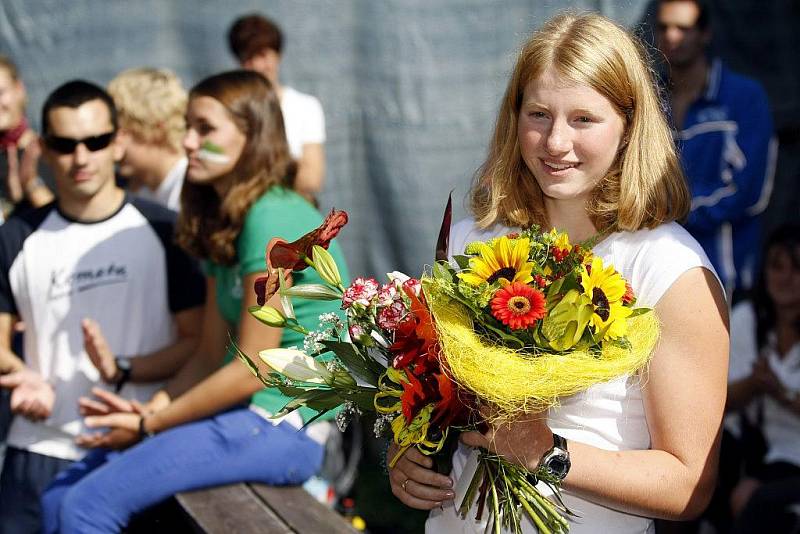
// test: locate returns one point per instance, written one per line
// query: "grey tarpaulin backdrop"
(410, 88)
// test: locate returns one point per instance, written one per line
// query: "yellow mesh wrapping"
(516, 382)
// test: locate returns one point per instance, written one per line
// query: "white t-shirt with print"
(611, 415)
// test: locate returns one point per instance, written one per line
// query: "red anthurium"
(281, 254)
(266, 286)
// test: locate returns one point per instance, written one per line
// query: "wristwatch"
(555, 464)
(124, 370)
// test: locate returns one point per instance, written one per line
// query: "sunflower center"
(601, 305)
(506, 272)
(519, 305)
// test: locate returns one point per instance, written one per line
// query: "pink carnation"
(361, 291)
(356, 332)
(387, 295)
(413, 285)
(390, 316)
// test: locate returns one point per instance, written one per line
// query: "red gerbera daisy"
(518, 305)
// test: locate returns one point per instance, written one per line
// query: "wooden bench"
(246, 508)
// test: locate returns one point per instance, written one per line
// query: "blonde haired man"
(151, 105)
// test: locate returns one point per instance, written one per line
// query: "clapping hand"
(111, 411)
(98, 351)
(31, 396)
(766, 381)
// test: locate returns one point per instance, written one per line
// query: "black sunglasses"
(67, 145)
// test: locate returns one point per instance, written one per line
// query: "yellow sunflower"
(505, 260)
(606, 287)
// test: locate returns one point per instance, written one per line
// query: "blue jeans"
(104, 490)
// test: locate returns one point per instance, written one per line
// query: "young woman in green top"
(209, 426)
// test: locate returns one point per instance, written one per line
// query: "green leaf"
(442, 270)
(635, 312)
(354, 361)
(318, 400)
(461, 260)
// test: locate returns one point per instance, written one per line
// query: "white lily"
(296, 365)
(397, 276)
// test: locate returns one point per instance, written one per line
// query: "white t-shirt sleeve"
(303, 119)
(652, 260)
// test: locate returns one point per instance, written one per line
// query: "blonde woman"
(581, 145)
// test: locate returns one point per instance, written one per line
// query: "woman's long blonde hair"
(208, 225)
(645, 186)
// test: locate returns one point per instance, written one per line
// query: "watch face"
(124, 364)
(559, 465)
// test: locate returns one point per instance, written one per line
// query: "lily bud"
(296, 365)
(268, 315)
(326, 267)
(312, 292)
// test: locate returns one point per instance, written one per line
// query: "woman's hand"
(414, 481)
(121, 416)
(522, 441)
(766, 381)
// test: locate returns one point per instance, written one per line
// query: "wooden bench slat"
(301, 511)
(229, 510)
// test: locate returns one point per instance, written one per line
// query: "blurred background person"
(726, 142)
(22, 182)
(764, 388)
(152, 105)
(257, 43)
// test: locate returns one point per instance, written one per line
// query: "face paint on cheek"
(212, 153)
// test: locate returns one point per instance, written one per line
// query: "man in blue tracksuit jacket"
(725, 137)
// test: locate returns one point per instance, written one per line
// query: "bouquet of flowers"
(511, 325)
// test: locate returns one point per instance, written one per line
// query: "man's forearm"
(164, 363)
(10, 362)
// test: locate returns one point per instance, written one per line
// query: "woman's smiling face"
(569, 136)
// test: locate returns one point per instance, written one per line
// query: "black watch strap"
(124, 367)
(559, 441)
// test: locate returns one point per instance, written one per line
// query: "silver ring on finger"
(403, 485)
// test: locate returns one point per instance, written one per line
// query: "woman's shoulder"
(653, 259)
(279, 204)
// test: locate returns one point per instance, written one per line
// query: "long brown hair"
(643, 188)
(209, 225)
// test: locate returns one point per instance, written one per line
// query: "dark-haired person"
(91, 254)
(257, 43)
(725, 140)
(234, 200)
(764, 381)
(20, 172)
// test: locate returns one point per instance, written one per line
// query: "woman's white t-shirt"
(611, 415)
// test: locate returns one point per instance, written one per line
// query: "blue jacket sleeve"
(749, 162)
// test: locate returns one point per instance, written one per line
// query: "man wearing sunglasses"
(92, 254)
